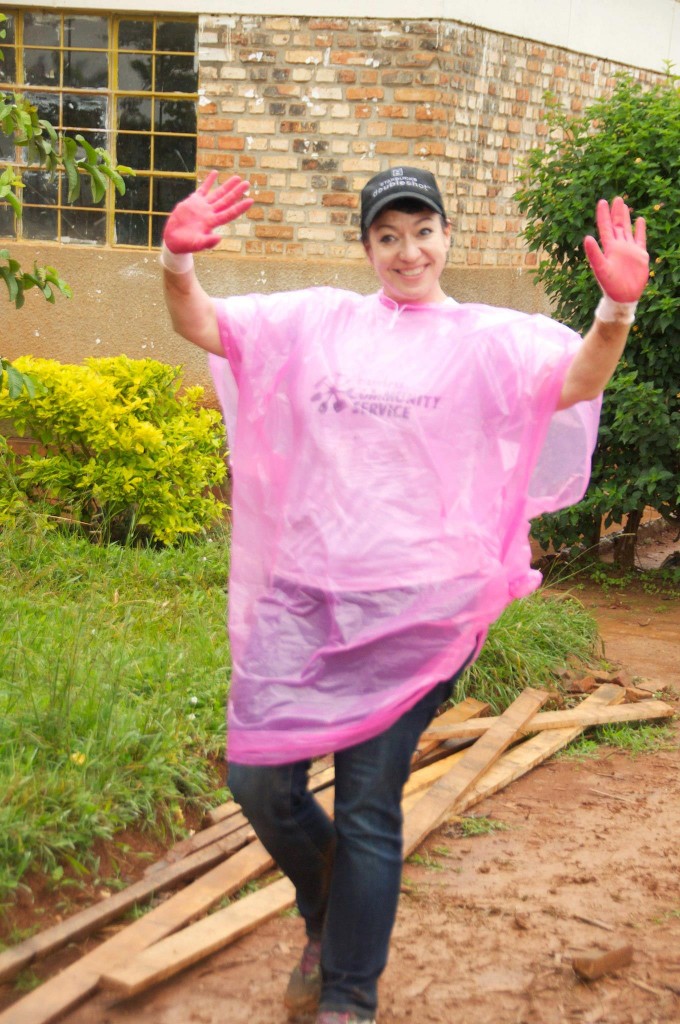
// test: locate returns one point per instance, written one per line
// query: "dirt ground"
(588, 861)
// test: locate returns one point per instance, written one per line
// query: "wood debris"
(223, 857)
(592, 966)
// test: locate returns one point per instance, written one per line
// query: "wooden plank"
(461, 712)
(440, 799)
(582, 717)
(203, 938)
(236, 823)
(166, 959)
(90, 920)
(530, 753)
(80, 979)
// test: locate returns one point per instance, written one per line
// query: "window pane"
(132, 229)
(8, 66)
(38, 188)
(41, 67)
(39, 224)
(6, 221)
(47, 104)
(176, 74)
(90, 33)
(134, 114)
(174, 153)
(136, 195)
(134, 72)
(134, 151)
(83, 111)
(176, 35)
(6, 148)
(167, 192)
(41, 29)
(135, 35)
(176, 116)
(85, 70)
(83, 225)
(8, 26)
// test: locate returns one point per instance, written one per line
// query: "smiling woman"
(388, 452)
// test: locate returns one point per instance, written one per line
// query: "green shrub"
(628, 144)
(117, 449)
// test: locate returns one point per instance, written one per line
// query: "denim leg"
(293, 828)
(362, 905)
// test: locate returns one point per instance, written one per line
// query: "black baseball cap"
(398, 183)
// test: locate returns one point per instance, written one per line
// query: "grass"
(113, 674)
(114, 669)
(632, 737)
(533, 639)
(480, 826)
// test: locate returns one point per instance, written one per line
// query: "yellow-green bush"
(117, 448)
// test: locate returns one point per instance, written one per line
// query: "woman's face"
(408, 253)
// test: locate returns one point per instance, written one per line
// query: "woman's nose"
(409, 249)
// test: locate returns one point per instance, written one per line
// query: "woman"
(388, 451)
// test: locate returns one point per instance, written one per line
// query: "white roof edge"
(639, 35)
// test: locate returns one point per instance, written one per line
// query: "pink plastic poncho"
(386, 461)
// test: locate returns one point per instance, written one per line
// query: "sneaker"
(304, 987)
(332, 1017)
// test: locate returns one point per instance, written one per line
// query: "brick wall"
(309, 108)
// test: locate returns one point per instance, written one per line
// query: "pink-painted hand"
(621, 266)
(191, 225)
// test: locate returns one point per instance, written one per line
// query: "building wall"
(309, 108)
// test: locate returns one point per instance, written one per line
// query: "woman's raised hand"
(191, 225)
(621, 266)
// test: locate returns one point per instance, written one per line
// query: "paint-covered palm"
(191, 225)
(621, 266)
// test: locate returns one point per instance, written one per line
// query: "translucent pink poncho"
(386, 462)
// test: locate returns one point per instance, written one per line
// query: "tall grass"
(113, 674)
(114, 669)
(528, 645)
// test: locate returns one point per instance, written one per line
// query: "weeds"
(480, 826)
(633, 737)
(113, 676)
(533, 639)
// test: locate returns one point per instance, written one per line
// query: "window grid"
(114, 212)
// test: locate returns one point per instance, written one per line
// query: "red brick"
(365, 93)
(340, 199)
(395, 148)
(273, 231)
(392, 110)
(231, 142)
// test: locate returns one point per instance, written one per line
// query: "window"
(125, 82)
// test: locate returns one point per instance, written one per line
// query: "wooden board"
(81, 978)
(582, 717)
(461, 712)
(168, 958)
(530, 753)
(441, 799)
(203, 938)
(90, 920)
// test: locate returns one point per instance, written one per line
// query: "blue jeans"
(346, 872)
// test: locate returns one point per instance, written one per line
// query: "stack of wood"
(222, 858)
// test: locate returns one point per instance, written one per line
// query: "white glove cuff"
(176, 262)
(611, 312)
